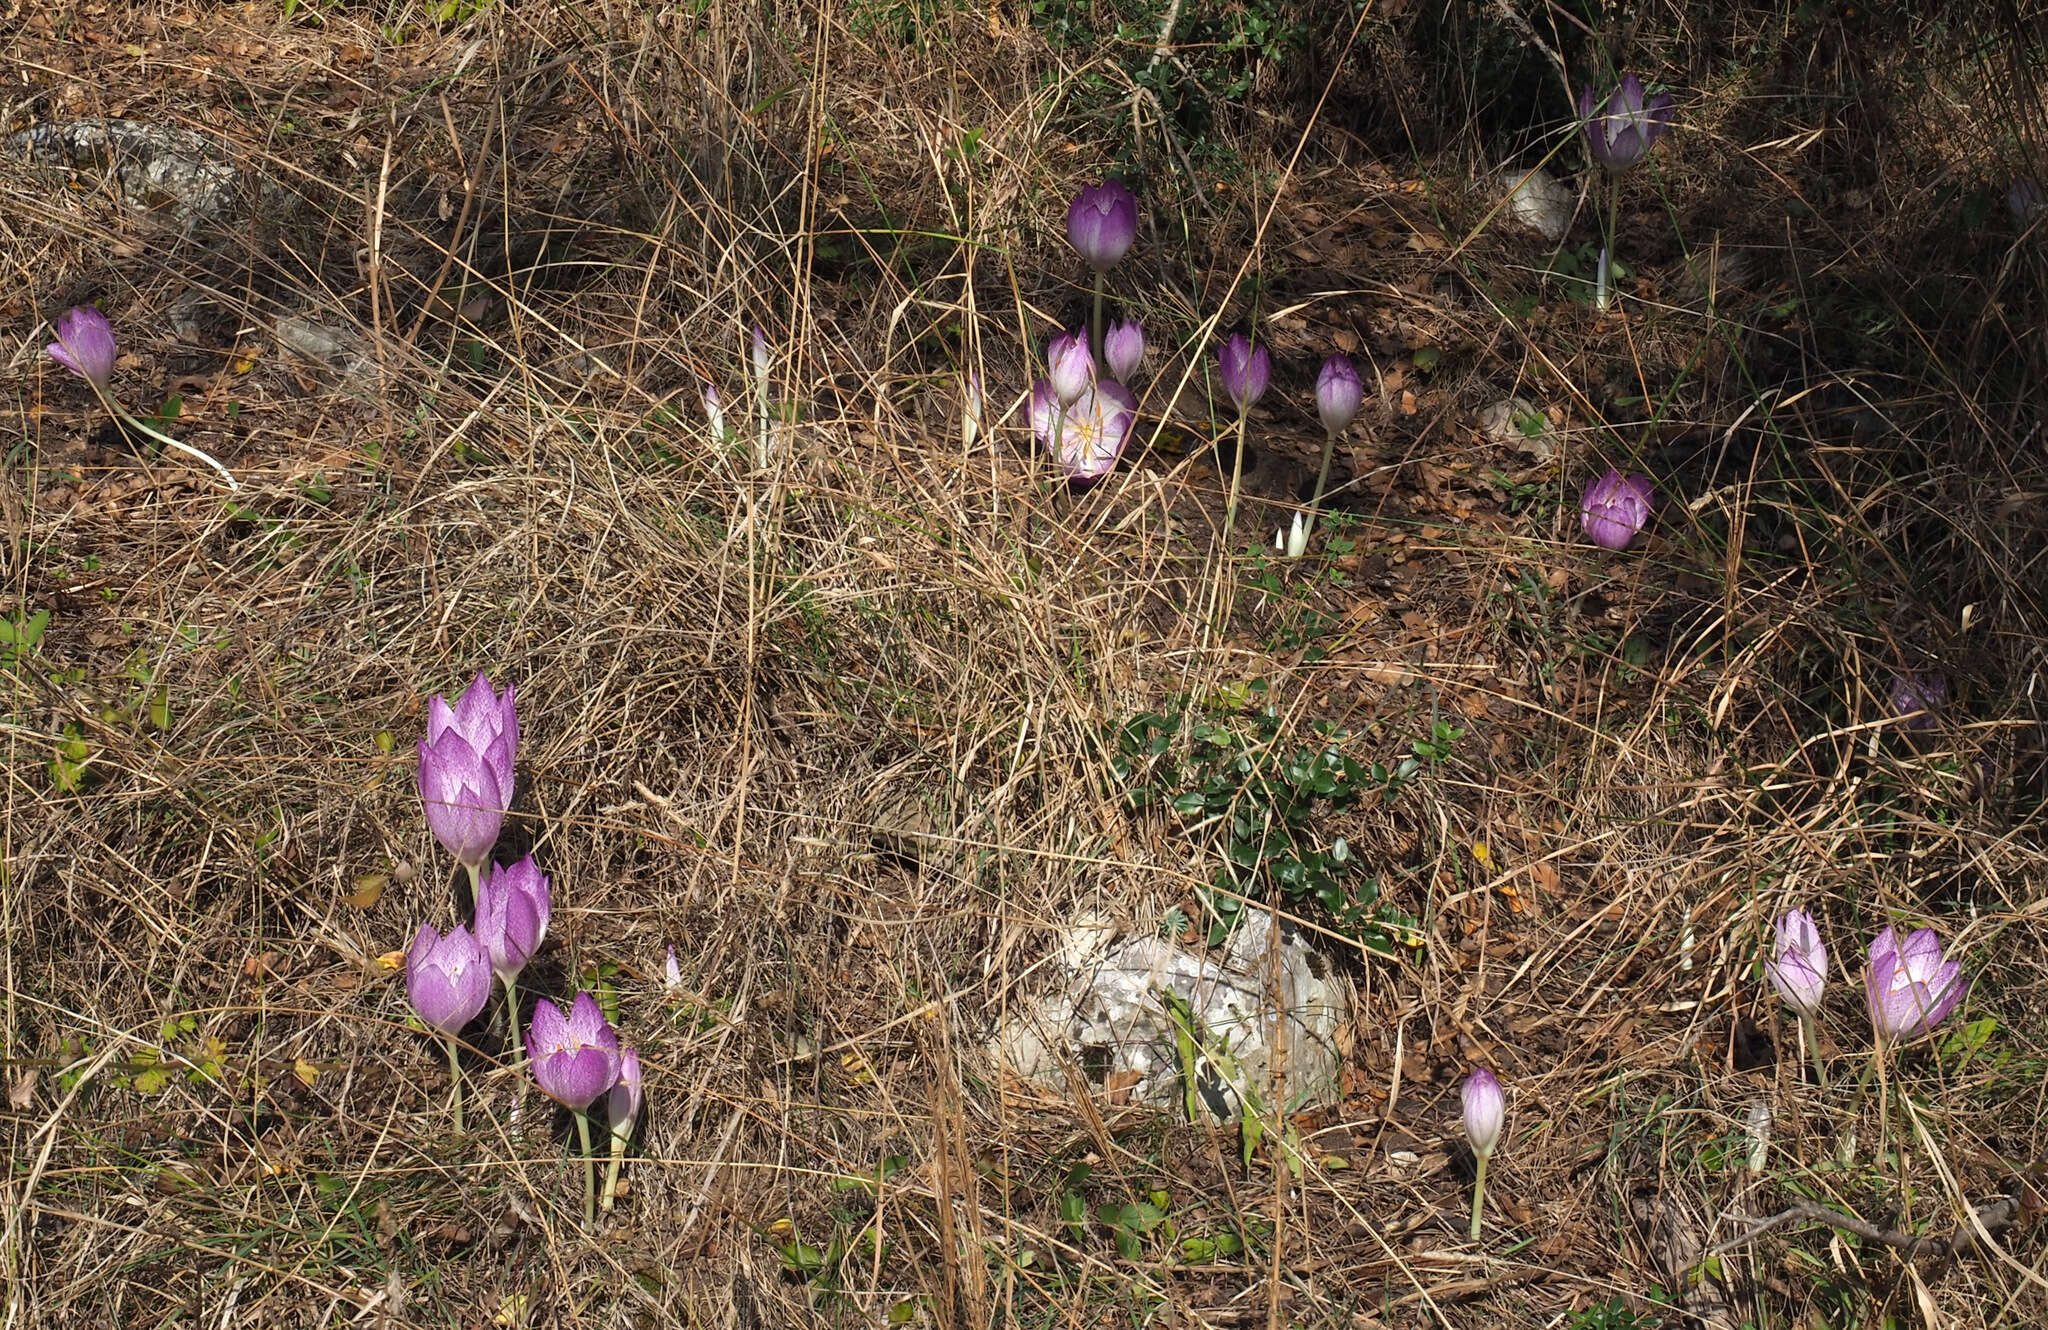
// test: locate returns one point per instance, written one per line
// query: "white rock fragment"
(1537, 200)
(1105, 1015)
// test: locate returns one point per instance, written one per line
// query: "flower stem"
(455, 1081)
(589, 1172)
(1479, 1195)
(107, 400)
(512, 1015)
(611, 1172)
(1603, 295)
(1810, 1036)
(1095, 321)
(1315, 505)
(1236, 479)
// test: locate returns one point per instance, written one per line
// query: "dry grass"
(833, 727)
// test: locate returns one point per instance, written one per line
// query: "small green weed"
(1257, 796)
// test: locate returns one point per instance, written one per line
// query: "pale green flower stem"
(611, 1172)
(1236, 480)
(763, 410)
(1479, 1194)
(1315, 505)
(1810, 1038)
(107, 400)
(455, 1082)
(1095, 322)
(512, 1015)
(589, 1171)
(1603, 295)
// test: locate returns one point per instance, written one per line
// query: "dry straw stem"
(835, 728)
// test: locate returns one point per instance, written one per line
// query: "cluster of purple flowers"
(1910, 986)
(466, 776)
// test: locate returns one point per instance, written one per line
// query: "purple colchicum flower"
(1621, 129)
(1798, 967)
(2025, 200)
(1917, 699)
(85, 345)
(1338, 393)
(447, 978)
(1910, 986)
(575, 1057)
(487, 720)
(762, 363)
(1615, 508)
(622, 1104)
(1486, 1107)
(512, 909)
(1102, 223)
(1090, 434)
(1123, 348)
(465, 805)
(1245, 368)
(1070, 366)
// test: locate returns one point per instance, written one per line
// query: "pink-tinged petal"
(423, 942)
(464, 805)
(622, 1103)
(1920, 953)
(550, 1029)
(1951, 988)
(525, 879)
(587, 1024)
(506, 926)
(440, 718)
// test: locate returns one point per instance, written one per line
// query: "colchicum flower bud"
(1070, 366)
(1486, 1107)
(447, 979)
(672, 973)
(85, 346)
(622, 1103)
(1615, 508)
(970, 410)
(1910, 986)
(1123, 348)
(466, 771)
(2025, 200)
(1293, 540)
(575, 1057)
(713, 412)
(512, 908)
(1102, 223)
(1917, 699)
(1798, 967)
(762, 363)
(1338, 393)
(1245, 368)
(1621, 130)
(622, 1107)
